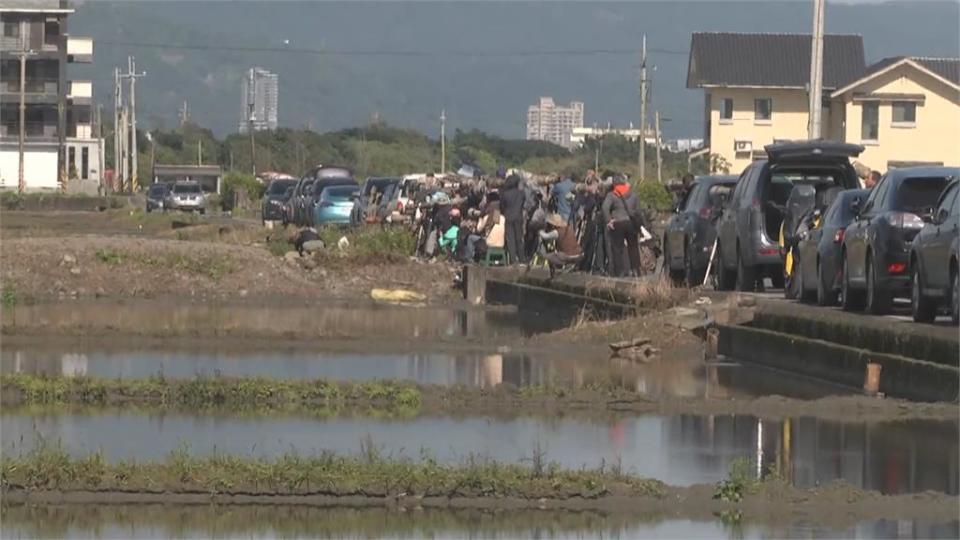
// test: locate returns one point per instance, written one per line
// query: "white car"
(186, 196)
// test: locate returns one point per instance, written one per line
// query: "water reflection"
(682, 375)
(166, 521)
(891, 457)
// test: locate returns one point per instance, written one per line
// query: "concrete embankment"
(889, 356)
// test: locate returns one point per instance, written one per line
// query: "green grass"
(208, 392)
(49, 467)
(371, 244)
(10, 297)
(214, 267)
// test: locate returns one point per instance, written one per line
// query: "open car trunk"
(780, 185)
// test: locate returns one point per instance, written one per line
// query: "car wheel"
(693, 276)
(878, 300)
(924, 308)
(676, 276)
(825, 295)
(851, 299)
(746, 278)
(724, 280)
(955, 296)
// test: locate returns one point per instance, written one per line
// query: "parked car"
(934, 257)
(155, 196)
(820, 247)
(274, 198)
(690, 233)
(298, 200)
(186, 196)
(876, 246)
(748, 231)
(317, 190)
(390, 209)
(372, 187)
(335, 205)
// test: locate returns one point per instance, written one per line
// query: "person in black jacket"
(511, 205)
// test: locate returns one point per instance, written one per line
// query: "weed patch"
(211, 266)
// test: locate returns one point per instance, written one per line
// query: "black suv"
(876, 246)
(275, 197)
(934, 258)
(749, 230)
(691, 231)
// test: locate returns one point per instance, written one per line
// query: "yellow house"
(904, 111)
(755, 88)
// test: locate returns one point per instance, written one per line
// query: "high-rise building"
(258, 103)
(547, 121)
(59, 137)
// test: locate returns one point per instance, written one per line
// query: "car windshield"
(919, 195)
(378, 183)
(158, 189)
(279, 187)
(339, 193)
(186, 188)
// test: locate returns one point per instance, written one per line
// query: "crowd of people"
(594, 223)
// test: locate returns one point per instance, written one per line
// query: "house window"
(762, 110)
(85, 162)
(904, 113)
(726, 109)
(870, 122)
(11, 29)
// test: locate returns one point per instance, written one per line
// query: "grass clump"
(212, 266)
(368, 244)
(206, 392)
(366, 474)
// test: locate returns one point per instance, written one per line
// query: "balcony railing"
(33, 130)
(41, 85)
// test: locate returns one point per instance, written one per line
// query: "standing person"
(616, 214)
(562, 193)
(511, 205)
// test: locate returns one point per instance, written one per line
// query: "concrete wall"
(935, 137)
(40, 168)
(788, 121)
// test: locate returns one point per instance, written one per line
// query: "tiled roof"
(773, 60)
(948, 68)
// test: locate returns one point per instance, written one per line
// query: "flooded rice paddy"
(166, 521)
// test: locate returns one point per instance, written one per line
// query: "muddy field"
(210, 335)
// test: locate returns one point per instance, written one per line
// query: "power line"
(384, 52)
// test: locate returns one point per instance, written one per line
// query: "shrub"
(654, 196)
(234, 180)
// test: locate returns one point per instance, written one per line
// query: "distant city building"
(259, 89)
(546, 121)
(579, 135)
(60, 142)
(683, 145)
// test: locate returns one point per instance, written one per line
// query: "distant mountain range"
(484, 62)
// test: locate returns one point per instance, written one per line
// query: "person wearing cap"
(566, 248)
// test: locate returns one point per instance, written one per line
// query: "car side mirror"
(855, 207)
(941, 216)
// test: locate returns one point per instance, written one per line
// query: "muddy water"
(685, 376)
(168, 521)
(891, 457)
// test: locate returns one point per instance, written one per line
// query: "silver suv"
(186, 196)
(748, 232)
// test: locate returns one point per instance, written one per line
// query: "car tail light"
(399, 206)
(706, 212)
(904, 220)
(768, 251)
(755, 203)
(838, 236)
(896, 268)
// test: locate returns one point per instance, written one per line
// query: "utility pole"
(251, 91)
(816, 71)
(118, 175)
(100, 166)
(23, 53)
(133, 75)
(184, 114)
(443, 141)
(641, 160)
(124, 149)
(199, 151)
(657, 136)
